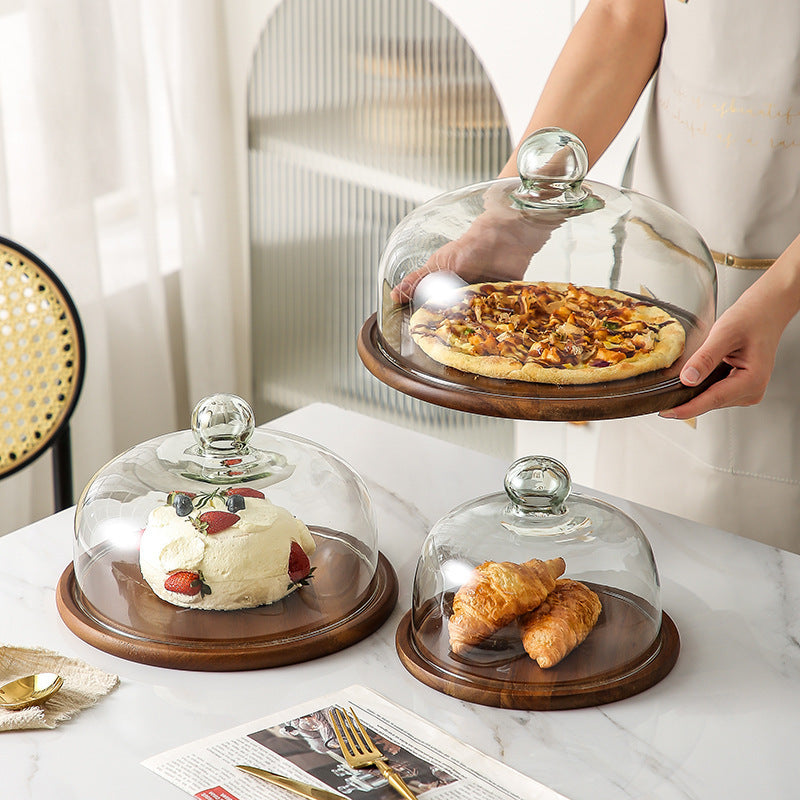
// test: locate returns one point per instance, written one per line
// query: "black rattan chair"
(42, 362)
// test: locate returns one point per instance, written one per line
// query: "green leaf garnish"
(302, 581)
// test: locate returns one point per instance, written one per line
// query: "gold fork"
(359, 751)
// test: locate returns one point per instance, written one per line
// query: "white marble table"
(723, 724)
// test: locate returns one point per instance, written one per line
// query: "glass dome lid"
(550, 226)
(537, 597)
(225, 547)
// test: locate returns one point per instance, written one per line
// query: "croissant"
(560, 623)
(496, 594)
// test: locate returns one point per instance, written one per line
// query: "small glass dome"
(551, 225)
(225, 547)
(489, 576)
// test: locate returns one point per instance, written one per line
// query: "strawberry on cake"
(225, 550)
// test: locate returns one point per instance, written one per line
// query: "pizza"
(547, 333)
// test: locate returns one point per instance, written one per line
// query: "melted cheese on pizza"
(535, 323)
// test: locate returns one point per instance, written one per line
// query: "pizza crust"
(668, 347)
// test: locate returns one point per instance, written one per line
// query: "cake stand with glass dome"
(634, 643)
(348, 591)
(551, 225)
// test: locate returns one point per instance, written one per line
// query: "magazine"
(300, 743)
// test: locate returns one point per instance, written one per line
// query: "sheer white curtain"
(116, 168)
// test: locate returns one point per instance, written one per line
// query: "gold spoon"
(31, 689)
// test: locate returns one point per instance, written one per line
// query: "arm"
(603, 68)
(745, 336)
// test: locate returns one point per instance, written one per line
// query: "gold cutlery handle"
(395, 781)
(292, 785)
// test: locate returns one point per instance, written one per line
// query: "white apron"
(721, 145)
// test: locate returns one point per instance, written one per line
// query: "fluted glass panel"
(359, 110)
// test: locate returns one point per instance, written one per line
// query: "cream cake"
(225, 550)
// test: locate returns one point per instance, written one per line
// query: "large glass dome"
(225, 547)
(551, 225)
(465, 632)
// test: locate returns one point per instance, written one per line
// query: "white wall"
(244, 21)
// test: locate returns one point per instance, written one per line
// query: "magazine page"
(300, 743)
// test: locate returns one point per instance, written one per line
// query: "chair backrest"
(42, 363)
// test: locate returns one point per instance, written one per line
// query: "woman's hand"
(746, 336)
(489, 251)
(743, 338)
(498, 246)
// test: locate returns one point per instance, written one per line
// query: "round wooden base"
(287, 632)
(597, 672)
(416, 375)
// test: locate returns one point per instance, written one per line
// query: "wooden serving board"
(618, 659)
(116, 611)
(406, 368)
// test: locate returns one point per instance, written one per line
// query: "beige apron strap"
(737, 262)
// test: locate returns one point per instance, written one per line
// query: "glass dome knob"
(552, 165)
(223, 423)
(538, 484)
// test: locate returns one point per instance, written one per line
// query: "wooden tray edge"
(568, 409)
(654, 667)
(230, 657)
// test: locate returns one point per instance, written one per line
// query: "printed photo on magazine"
(310, 743)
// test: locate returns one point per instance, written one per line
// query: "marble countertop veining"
(723, 724)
